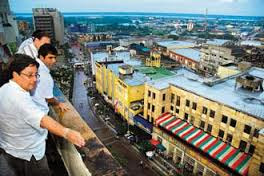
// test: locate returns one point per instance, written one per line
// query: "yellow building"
(153, 60)
(213, 128)
(122, 82)
(127, 98)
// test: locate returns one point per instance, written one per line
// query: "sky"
(221, 7)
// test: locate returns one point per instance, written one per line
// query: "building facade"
(213, 56)
(51, 21)
(187, 56)
(8, 25)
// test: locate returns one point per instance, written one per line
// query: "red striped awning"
(217, 149)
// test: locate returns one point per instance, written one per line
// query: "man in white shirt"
(43, 93)
(24, 126)
(31, 46)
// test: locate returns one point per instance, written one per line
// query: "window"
(204, 110)
(221, 134)
(233, 123)
(251, 149)
(187, 103)
(172, 108)
(247, 129)
(186, 116)
(178, 102)
(153, 108)
(194, 106)
(209, 128)
(148, 117)
(256, 133)
(242, 145)
(192, 120)
(202, 124)
(229, 138)
(152, 119)
(212, 113)
(153, 95)
(224, 119)
(163, 97)
(162, 109)
(177, 110)
(172, 98)
(261, 168)
(148, 105)
(149, 93)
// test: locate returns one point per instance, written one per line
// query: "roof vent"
(126, 70)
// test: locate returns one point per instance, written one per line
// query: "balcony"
(94, 158)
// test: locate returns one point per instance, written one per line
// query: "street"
(127, 156)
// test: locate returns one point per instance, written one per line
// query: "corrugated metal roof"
(189, 53)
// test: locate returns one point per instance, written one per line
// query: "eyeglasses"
(31, 75)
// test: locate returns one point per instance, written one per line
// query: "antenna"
(206, 22)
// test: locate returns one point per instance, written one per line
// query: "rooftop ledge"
(94, 158)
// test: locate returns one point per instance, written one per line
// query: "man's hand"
(74, 137)
(63, 107)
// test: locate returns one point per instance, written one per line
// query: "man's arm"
(54, 101)
(55, 128)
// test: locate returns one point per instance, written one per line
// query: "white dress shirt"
(29, 49)
(44, 88)
(20, 133)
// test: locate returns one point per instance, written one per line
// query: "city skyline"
(228, 7)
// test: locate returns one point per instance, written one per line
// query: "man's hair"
(46, 49)
(39, 34)
(19, 63)
(36, 32)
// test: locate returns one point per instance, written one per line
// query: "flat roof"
(189, 52)
(251, 43)
(218, 42)
(175, 44)
(141, 73)
(223, 92)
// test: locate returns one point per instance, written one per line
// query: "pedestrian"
(43, 92)
(24, 126)
(31, 46)
(141, 163)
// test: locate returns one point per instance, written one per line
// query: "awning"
(154, 142)
(217, 149)
(143, 124)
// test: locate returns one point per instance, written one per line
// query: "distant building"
(214, 56)
(166, 46)
(146, 41)
(8, 25)
(23, 26)
(190, 26)
(51, 21)
(188, 57)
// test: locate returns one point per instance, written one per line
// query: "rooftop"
(251, 43)
(218, 42)
(170, 44)
(189, 52)
(223, 92)
(141, 73)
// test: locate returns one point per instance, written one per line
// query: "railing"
(94, 158)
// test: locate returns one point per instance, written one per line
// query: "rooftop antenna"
(206, 21)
